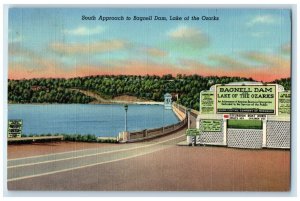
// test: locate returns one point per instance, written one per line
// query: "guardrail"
(182, 108)
(140, 135)
(156, 132)
(59, 137)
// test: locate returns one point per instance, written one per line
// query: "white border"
(213, 3)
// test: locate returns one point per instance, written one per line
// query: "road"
(37, 166)
(155, 165)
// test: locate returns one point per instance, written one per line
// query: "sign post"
(191, 134)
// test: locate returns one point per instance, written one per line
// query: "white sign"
(249, 116)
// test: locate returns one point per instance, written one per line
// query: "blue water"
(101, 120)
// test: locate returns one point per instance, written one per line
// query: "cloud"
(259, 73)
(18, 54)
(36, 65)
(286, 48)
(265, 59)
(191, 36)
(86, 48)
(84, 31)
(22, 71)
(30, 64)
(17, 50)
(272, 66)
(262, 19)
(259, 34)
(155, 52)
(126, 67)
(15, 38)
(269, 67)
(228, 62)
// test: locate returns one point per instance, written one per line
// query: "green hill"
(58, 90)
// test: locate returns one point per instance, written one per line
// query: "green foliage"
(285, 82)
(147, 87)
(85, 138)
(244, 124)
(44, 91)
(80, 138)
(108, 140)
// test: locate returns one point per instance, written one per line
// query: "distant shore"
(93, 103)
(123, 99)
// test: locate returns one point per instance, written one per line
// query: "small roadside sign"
(14, 128)
(192, 132)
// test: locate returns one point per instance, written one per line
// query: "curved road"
(36, 166)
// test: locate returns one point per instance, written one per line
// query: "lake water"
(101, 120)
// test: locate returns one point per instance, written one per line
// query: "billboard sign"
(255, 99)
(207, 102)
(284, 103)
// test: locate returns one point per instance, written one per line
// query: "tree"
(150, 87)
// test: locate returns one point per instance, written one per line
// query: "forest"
(148, 87)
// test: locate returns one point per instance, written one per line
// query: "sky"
(57, 43)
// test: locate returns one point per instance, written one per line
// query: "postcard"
(149, 99)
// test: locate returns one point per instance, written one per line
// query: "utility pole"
(126, 108)
(188, 113)
(163, 120)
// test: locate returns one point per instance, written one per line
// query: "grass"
(244, 124)
(73, 137)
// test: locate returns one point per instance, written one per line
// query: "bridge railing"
(184, 109)
(140, 135)
(35, 138)
(156, 132)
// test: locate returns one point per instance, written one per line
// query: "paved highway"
(36, 166)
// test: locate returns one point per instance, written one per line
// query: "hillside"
(104, 89)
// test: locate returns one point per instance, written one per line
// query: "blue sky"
(49, 42)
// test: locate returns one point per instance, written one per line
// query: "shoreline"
(108, 103)
(98, 99)
(98, 137)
